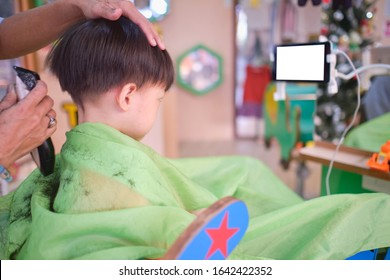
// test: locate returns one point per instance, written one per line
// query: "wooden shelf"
(347, 158)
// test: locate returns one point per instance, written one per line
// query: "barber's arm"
(31, 30)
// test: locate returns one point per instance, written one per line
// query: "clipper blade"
(29, 78)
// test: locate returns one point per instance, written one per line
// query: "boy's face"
(145, 104)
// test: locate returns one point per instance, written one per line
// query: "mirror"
(199, 70)
(153, 10)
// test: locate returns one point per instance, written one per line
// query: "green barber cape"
(370, 135)
(112, 197)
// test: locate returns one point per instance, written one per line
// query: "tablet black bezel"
(327, 51)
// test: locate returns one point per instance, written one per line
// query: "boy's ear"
(124, 95)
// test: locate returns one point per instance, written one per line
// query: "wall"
(211, 23)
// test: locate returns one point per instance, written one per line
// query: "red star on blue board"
(220, 237)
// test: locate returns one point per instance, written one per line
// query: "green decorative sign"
(199, 70)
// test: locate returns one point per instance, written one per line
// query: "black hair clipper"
(44, 155)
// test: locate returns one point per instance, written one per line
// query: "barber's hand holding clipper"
(24, 124)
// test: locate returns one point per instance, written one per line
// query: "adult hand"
(113, 9)
(24, 124)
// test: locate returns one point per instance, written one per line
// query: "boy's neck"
(99, 112)
(106, 115)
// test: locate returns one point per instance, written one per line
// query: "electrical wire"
(361, 69)
(347, 77)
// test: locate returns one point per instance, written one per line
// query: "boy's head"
(99, 56)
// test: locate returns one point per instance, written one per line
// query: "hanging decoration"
(314, 2)
(199, 70)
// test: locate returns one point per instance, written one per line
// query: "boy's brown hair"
(98, 54)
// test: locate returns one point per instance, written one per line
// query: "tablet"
(307, 62)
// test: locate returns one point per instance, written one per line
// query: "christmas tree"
(349, 26)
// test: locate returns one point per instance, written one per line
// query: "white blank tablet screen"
(300, 63)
